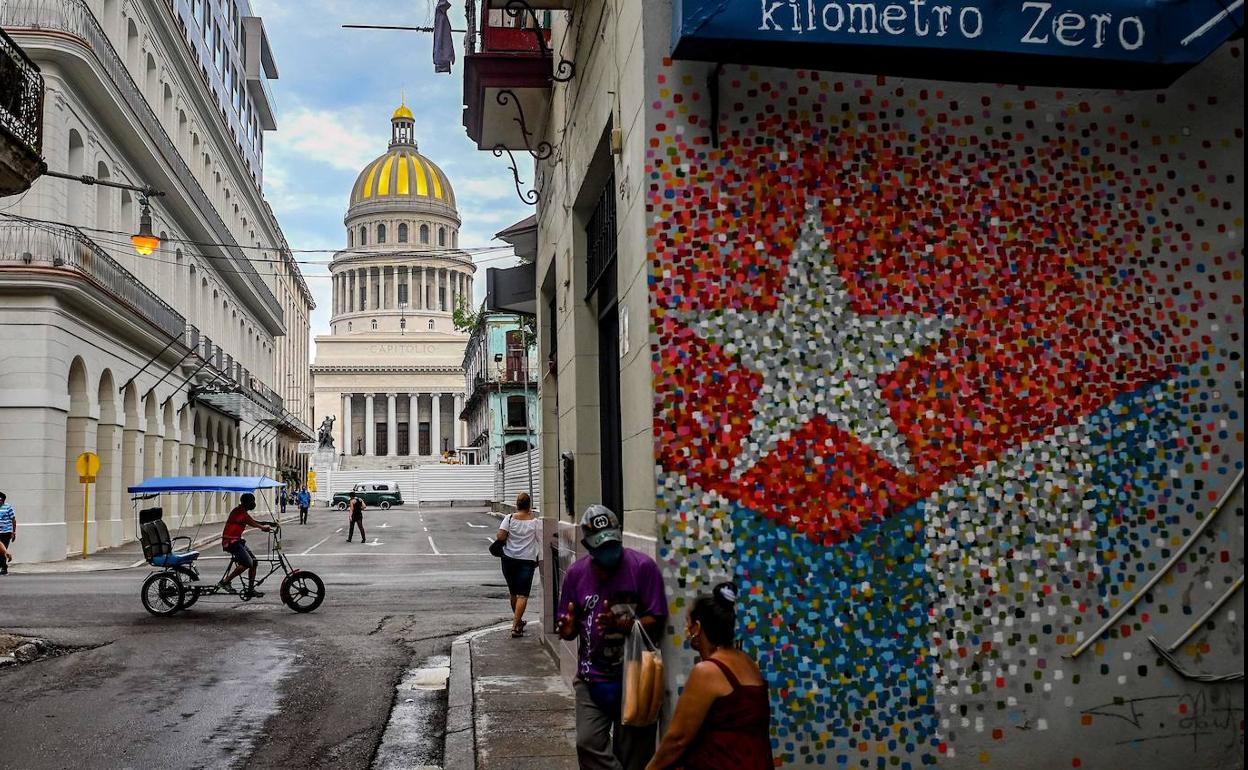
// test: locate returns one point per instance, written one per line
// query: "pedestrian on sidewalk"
(356, 508)
(282, 498)
(723, 717)
(522, 544)
(8, 533)
(604, 593)
(305, 502)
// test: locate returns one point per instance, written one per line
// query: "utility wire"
(121, 251)
(435, 251)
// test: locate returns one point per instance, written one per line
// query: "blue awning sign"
(1156, 34)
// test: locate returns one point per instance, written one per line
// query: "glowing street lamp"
(145, 241)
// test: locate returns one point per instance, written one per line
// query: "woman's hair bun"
(726, 592)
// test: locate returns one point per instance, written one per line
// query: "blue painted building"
(499, 362)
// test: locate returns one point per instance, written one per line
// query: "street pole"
(528, 424)
(502, 419)
(86, 503)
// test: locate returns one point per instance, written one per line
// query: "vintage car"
(376, 494)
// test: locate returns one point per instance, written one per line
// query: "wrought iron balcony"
(506, 83)
(21, 118)
(60, 250)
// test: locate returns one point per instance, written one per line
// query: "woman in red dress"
(723, 717)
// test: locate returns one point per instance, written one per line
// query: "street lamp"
(145, 241)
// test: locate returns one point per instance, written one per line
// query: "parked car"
(376, 494)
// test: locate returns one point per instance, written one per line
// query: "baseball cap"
(600, 525)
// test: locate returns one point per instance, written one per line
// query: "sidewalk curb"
(460, 750)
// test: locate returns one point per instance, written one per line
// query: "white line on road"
(305, 553)
(375, 542)
(436, 552)
(425, 529)
(478, 526)
(489, 540)
(384, 525)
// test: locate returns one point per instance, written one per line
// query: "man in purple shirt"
(603, 594)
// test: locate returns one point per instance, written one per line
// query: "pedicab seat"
(158, 545)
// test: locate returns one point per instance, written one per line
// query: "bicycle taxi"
(174, 583)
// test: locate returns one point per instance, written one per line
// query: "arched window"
(424, 233)
(374, 324)
(350, 238)
(403, 324)
(402, 233)
(381, 233)
(430, 324)
(77, 166)
(363, 236)
(441, 236)
(348, 326)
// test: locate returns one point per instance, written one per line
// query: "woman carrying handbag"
(519, 544)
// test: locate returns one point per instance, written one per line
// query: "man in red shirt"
(232, 541)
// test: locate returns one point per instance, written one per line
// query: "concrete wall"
(943, 373)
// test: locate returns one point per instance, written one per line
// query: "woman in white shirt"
(522, 546)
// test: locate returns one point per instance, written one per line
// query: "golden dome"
(403, 113)
(402, 173)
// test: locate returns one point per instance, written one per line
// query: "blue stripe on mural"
(842, 634)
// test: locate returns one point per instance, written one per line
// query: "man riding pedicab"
(232, 542)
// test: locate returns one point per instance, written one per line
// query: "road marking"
(478, 526)
(425, 529)
(338, 531)
(305, 553)
(436, 552)
(326, 554)
(375, 542)
(384, 525)
(489, 540)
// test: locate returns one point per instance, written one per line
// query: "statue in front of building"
(325, 434)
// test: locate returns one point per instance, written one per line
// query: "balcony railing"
(67, 249)
(21, 95)
(505, 30)
(74, 18)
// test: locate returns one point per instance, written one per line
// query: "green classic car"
(376, 494)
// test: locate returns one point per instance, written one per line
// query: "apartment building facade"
(189, 360)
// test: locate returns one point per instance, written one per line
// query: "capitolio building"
(390, 372)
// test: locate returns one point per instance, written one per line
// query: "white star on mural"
(818, 357)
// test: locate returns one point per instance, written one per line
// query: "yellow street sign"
(311, 481)
(88, 464)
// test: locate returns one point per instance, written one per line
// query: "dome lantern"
(403, 127)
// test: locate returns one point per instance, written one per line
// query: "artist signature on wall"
(1193, 717)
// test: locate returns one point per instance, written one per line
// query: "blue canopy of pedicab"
(162, 484)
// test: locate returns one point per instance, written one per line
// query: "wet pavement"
(231, 684)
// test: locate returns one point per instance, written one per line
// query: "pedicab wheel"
(302, 591)
(163, 594)
(192, 596)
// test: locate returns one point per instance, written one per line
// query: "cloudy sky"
(335, 93)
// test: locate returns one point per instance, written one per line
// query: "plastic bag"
(643, 679)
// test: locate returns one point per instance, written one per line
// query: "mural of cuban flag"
(942, 373)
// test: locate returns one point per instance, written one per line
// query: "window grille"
(600, 235)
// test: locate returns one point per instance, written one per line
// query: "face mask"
(608, 555)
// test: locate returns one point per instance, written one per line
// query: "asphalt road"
(233, 684)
